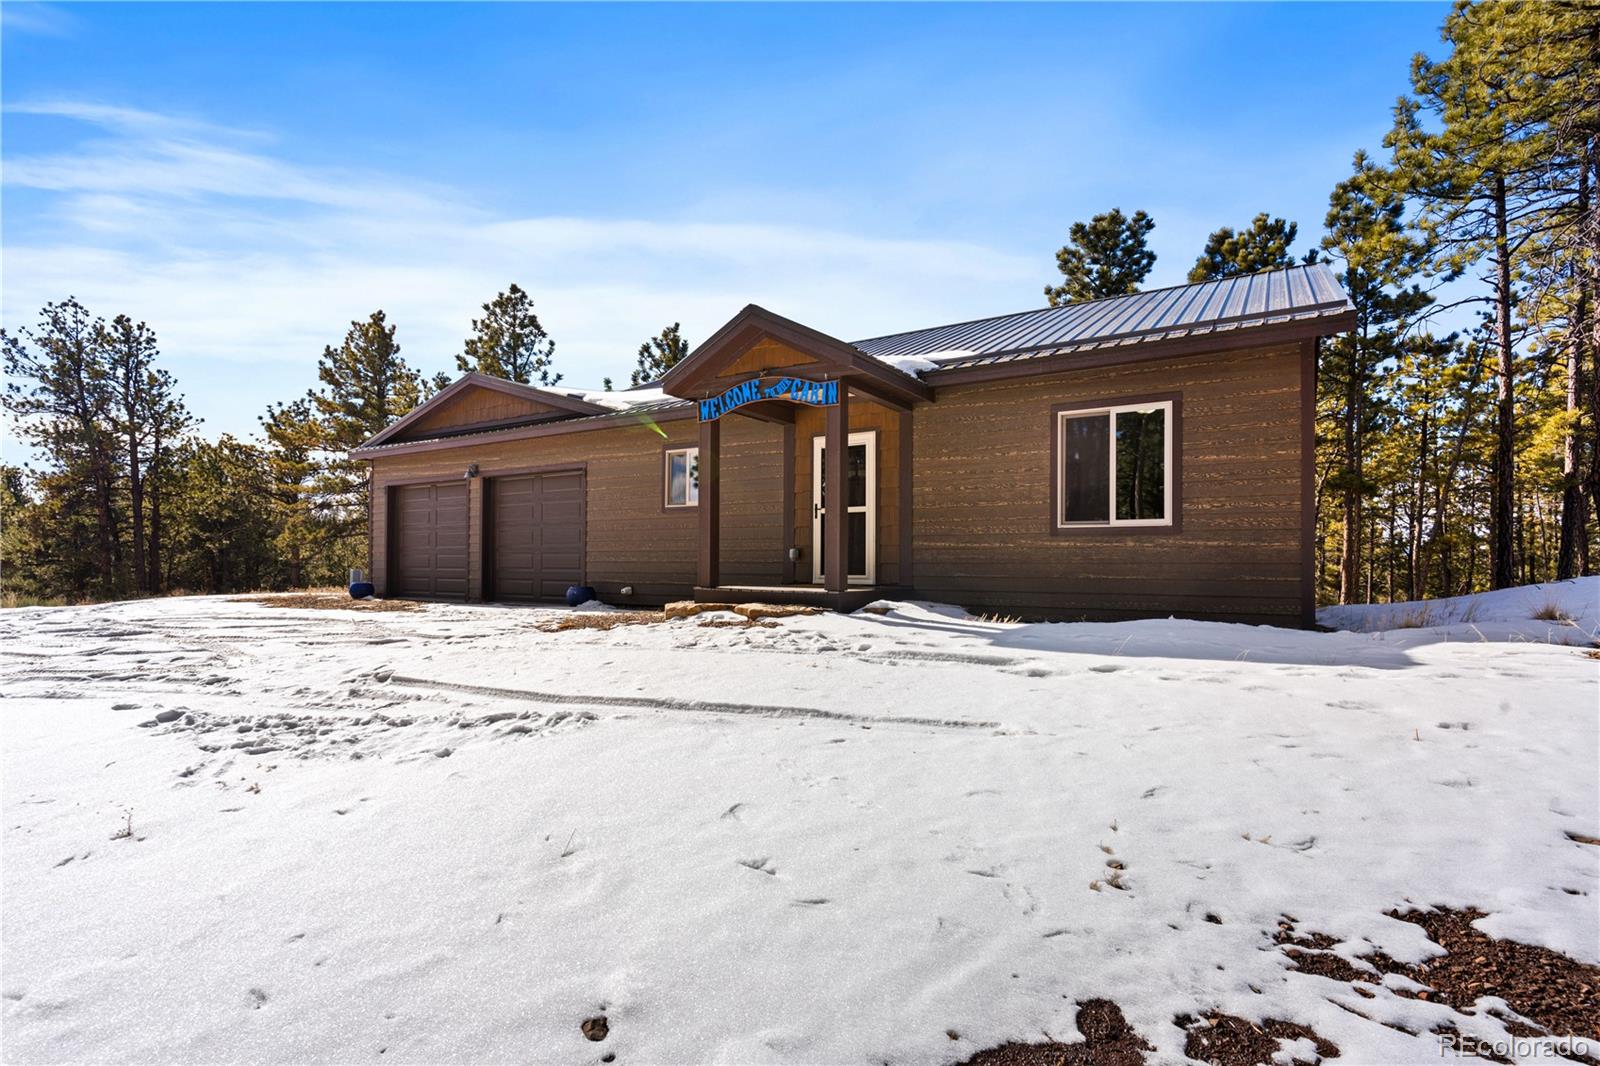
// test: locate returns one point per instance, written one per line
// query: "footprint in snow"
(1105, 668)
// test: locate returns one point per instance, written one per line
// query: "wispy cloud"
(237, 254)
(47, 20)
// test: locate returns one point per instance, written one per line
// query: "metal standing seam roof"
(1292, 294)
(620, 415)
(1274, 296)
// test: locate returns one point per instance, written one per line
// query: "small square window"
(683, 477)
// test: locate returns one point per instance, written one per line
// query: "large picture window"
(1115, 466)
(683, 477)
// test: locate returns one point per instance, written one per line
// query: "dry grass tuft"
(13, 599)
(1416, 618)
(326, 600)
(1552, 611)
(612, 619)
(601, 620)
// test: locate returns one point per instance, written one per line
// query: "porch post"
(788, 502)
(710, 571)
(836, 578)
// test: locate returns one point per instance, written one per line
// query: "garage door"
(536, 546)
(430, 541)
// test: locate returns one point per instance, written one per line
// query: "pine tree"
(658, 355)
(1262, 246)
(1366, 234)
(130, 356)
(508, 342)
(60, 393)
(366, 385)
(1106, 256)
(292, 434)
(224, 537)
(1475, 163)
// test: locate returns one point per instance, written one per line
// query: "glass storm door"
(861, 511)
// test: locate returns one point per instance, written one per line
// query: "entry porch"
(846, 423)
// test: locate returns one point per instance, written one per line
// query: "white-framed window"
(683, 477)
(1114, 466)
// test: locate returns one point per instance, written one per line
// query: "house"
(1144, 455)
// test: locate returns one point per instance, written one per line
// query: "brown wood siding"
(864, 415)
(981, 497)
(631, 540)
(474, 407)
(767, 354)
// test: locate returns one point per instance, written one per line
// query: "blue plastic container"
(362, 590)
(579, 594)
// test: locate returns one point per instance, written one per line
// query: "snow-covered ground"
(448, 835)
(1561, 612)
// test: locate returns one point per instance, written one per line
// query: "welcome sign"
(795, 390)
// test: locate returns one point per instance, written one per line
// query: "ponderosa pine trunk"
(153, 562)
(1350, 542)
(1572, 558)
(1502, 564)
(136, 502)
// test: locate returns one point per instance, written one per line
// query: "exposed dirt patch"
(1227, 1040)
(326, 600)
(1559, 995)
(1551, 990)
(1108, 1040)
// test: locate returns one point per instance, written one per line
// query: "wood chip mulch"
(1108, 1041)
(1551, 990)
(1558, 994)
(326, 601)
(1228, 1040)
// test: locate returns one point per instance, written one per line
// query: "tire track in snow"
(668, 703)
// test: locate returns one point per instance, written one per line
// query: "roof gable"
(738, 346)
(481, 401)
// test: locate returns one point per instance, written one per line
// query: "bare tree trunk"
(1502, 564)
(1573, 556)
(1350, 545)
(153, 576)
(136, 500)
(1415, 564)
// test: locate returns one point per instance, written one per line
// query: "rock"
(442, 753)
(689, 608)
(758, 611)
(595, 1028)
(168, 716)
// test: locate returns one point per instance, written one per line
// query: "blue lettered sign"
(794, 390)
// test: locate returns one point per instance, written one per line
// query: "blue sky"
(250, 177)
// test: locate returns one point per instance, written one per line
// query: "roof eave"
(609, 420)
(1143, 351)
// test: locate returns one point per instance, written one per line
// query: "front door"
(861, 498)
